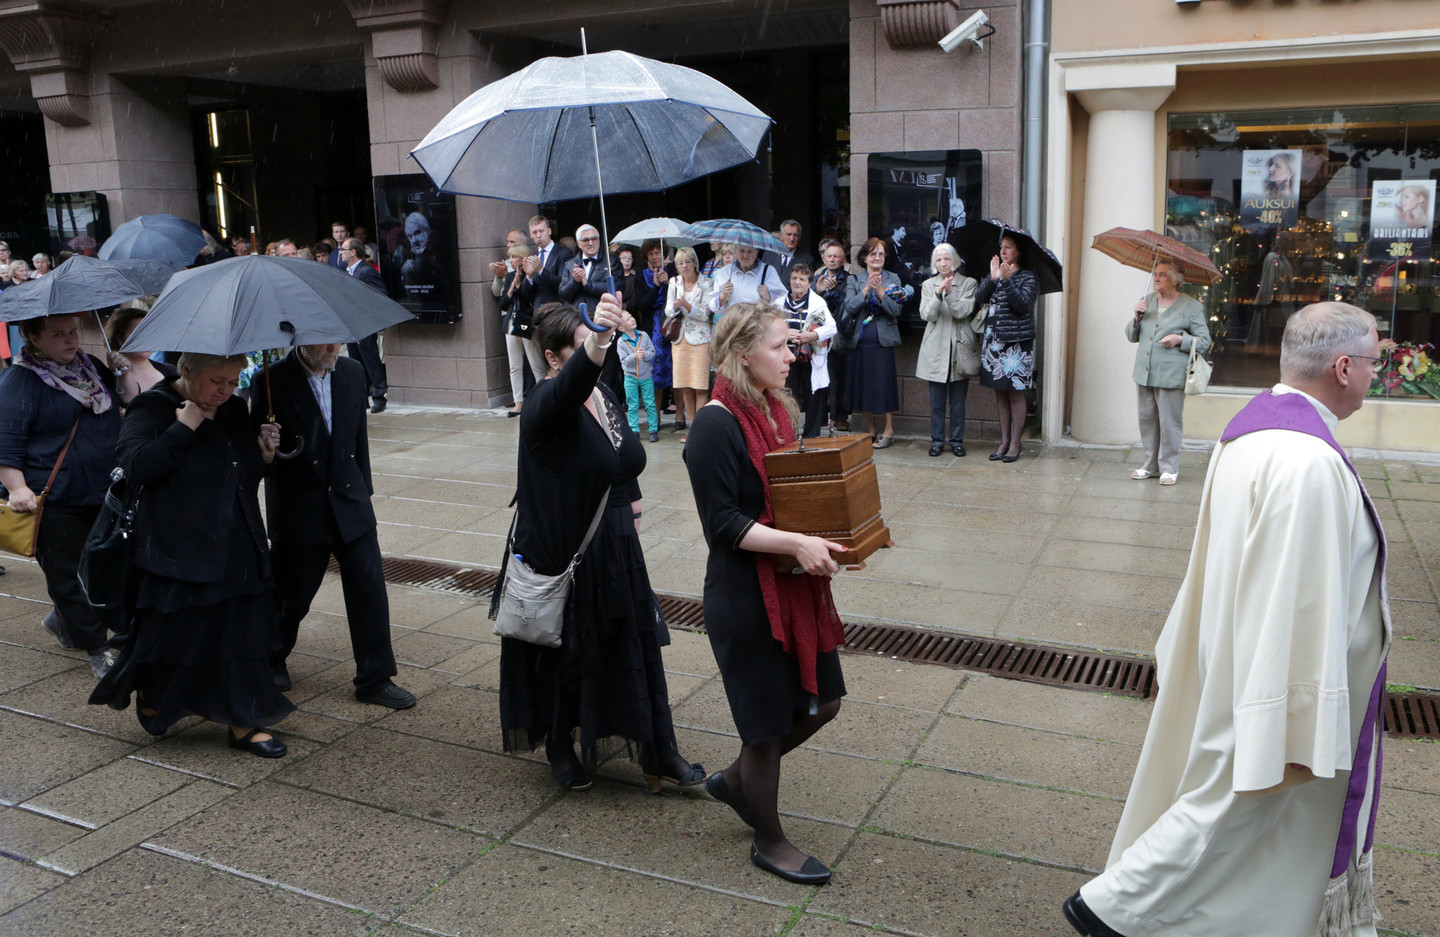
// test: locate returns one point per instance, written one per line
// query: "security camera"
(970, 29)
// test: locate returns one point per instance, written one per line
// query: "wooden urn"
(827, 487)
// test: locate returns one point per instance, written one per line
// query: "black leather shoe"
(378, 406)
(281, 675)
(959, 449)
(1009, 458)
(813, 872)
(269, 748)
(387, 694)
(1078, 913)
(717, 788)
(936, 448)
(996, 456)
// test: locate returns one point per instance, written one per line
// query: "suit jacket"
(329, 482)
(783, 266)
(594, 286)
(334, 259)
(545, 287)
(369, 276)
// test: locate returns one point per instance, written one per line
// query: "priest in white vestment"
(1252, 809)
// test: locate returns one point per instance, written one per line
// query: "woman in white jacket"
(688, 295)
(811, 329)
(950, 349)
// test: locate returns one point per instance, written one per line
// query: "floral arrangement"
(1406, 369)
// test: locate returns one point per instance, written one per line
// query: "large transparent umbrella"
(567, 128)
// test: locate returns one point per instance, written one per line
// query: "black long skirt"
(607, 679)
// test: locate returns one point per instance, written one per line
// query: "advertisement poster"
(1402, 210)
(918, 200)
(1270, 188)
(419, 260)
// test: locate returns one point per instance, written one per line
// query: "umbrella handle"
(585, 311)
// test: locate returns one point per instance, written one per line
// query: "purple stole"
(1269, 410)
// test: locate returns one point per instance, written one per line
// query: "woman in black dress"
(606, 678)
(204, 627)
(1007, 354)
(774, 634)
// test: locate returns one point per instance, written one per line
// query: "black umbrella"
(81, 284)
(978, 241)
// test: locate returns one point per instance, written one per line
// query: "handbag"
(670, 330)
(105, 558)
(1197, 373)
(20, 530)
(531, 605)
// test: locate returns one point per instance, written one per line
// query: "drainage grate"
(1407, 715)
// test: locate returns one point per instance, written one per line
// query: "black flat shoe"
(936, 448)
(959, 448)
(388, 694)
(996, 457)
(1078, 913)
(716, 787)
(681, 424)
(1009, 458)
(695, 775)
(269, 748)
(281, 675)
(813, 872)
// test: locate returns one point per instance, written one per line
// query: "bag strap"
(594, 526)
(56, 470)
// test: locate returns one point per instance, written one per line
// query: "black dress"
(204, 618)
(607, 679)
(762, 682)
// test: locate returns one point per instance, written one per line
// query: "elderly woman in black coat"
(204, 627)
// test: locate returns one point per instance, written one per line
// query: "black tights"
(755, 776)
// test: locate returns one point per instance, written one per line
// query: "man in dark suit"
(583, 281)
(318, 505)
(782, 262)
(367, 350)
(339, 230)
(545, 267)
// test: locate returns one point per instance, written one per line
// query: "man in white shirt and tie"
(584, 280)
(543, 269)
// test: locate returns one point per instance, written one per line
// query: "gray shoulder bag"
(532, 605)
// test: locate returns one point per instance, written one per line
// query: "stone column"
(1120, 186)
(415, 74)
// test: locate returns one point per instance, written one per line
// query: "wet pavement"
(947, 802)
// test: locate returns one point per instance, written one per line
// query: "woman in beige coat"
(1167, 324)
(950, 349)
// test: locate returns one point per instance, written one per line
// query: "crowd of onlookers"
(843, 318)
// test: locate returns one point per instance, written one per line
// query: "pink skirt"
(690, 365)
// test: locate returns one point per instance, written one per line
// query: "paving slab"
(420, 649)
(468, 716)
(142, 894)
(817, 925)
(1407, 891)
(1047, 759)
(20, 883)
(512, 890)
(451, 785)
(202, 751)
(135, 828)
(55, 754)
(25, 836)
(64, 697)
(1409, 820)
(922, 888)
(1064, 829)
(22, 665)
(108, 793)
(1058, 709)
(1412, 765)
(880, 679)
(355, 855)
(340, 702)
(1070, 622)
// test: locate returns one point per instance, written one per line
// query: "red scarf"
(801, 612)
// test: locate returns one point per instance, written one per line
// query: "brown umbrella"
(1144, 249)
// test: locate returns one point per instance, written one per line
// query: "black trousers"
(812, 404)
(299, 569)
(63, 529)
(367, 352)
(836, 362)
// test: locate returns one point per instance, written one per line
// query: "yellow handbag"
(19, 530)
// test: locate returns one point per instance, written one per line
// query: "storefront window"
(1298, 206)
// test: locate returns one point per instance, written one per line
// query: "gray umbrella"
(81, 284)
(249, 303)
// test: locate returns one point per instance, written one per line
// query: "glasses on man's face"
(1377, 363)
(589, 240)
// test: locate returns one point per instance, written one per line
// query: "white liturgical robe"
(1268, 657)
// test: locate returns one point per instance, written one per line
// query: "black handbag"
(105, 559)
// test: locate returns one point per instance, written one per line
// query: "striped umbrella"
(734, 231)
(1144, 249)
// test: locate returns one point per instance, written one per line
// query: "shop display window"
(1301, 205)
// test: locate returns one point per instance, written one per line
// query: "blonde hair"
(739, 332)
(518, 251)
(687, 252)
(194, 362)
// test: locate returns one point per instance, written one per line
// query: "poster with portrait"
(917, 200)
(1270, 188)
(1402, 209)
(419, 260)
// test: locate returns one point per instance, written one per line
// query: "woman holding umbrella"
(1166, 326)
(204, 629)
(578, 458)
(1007, 355)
